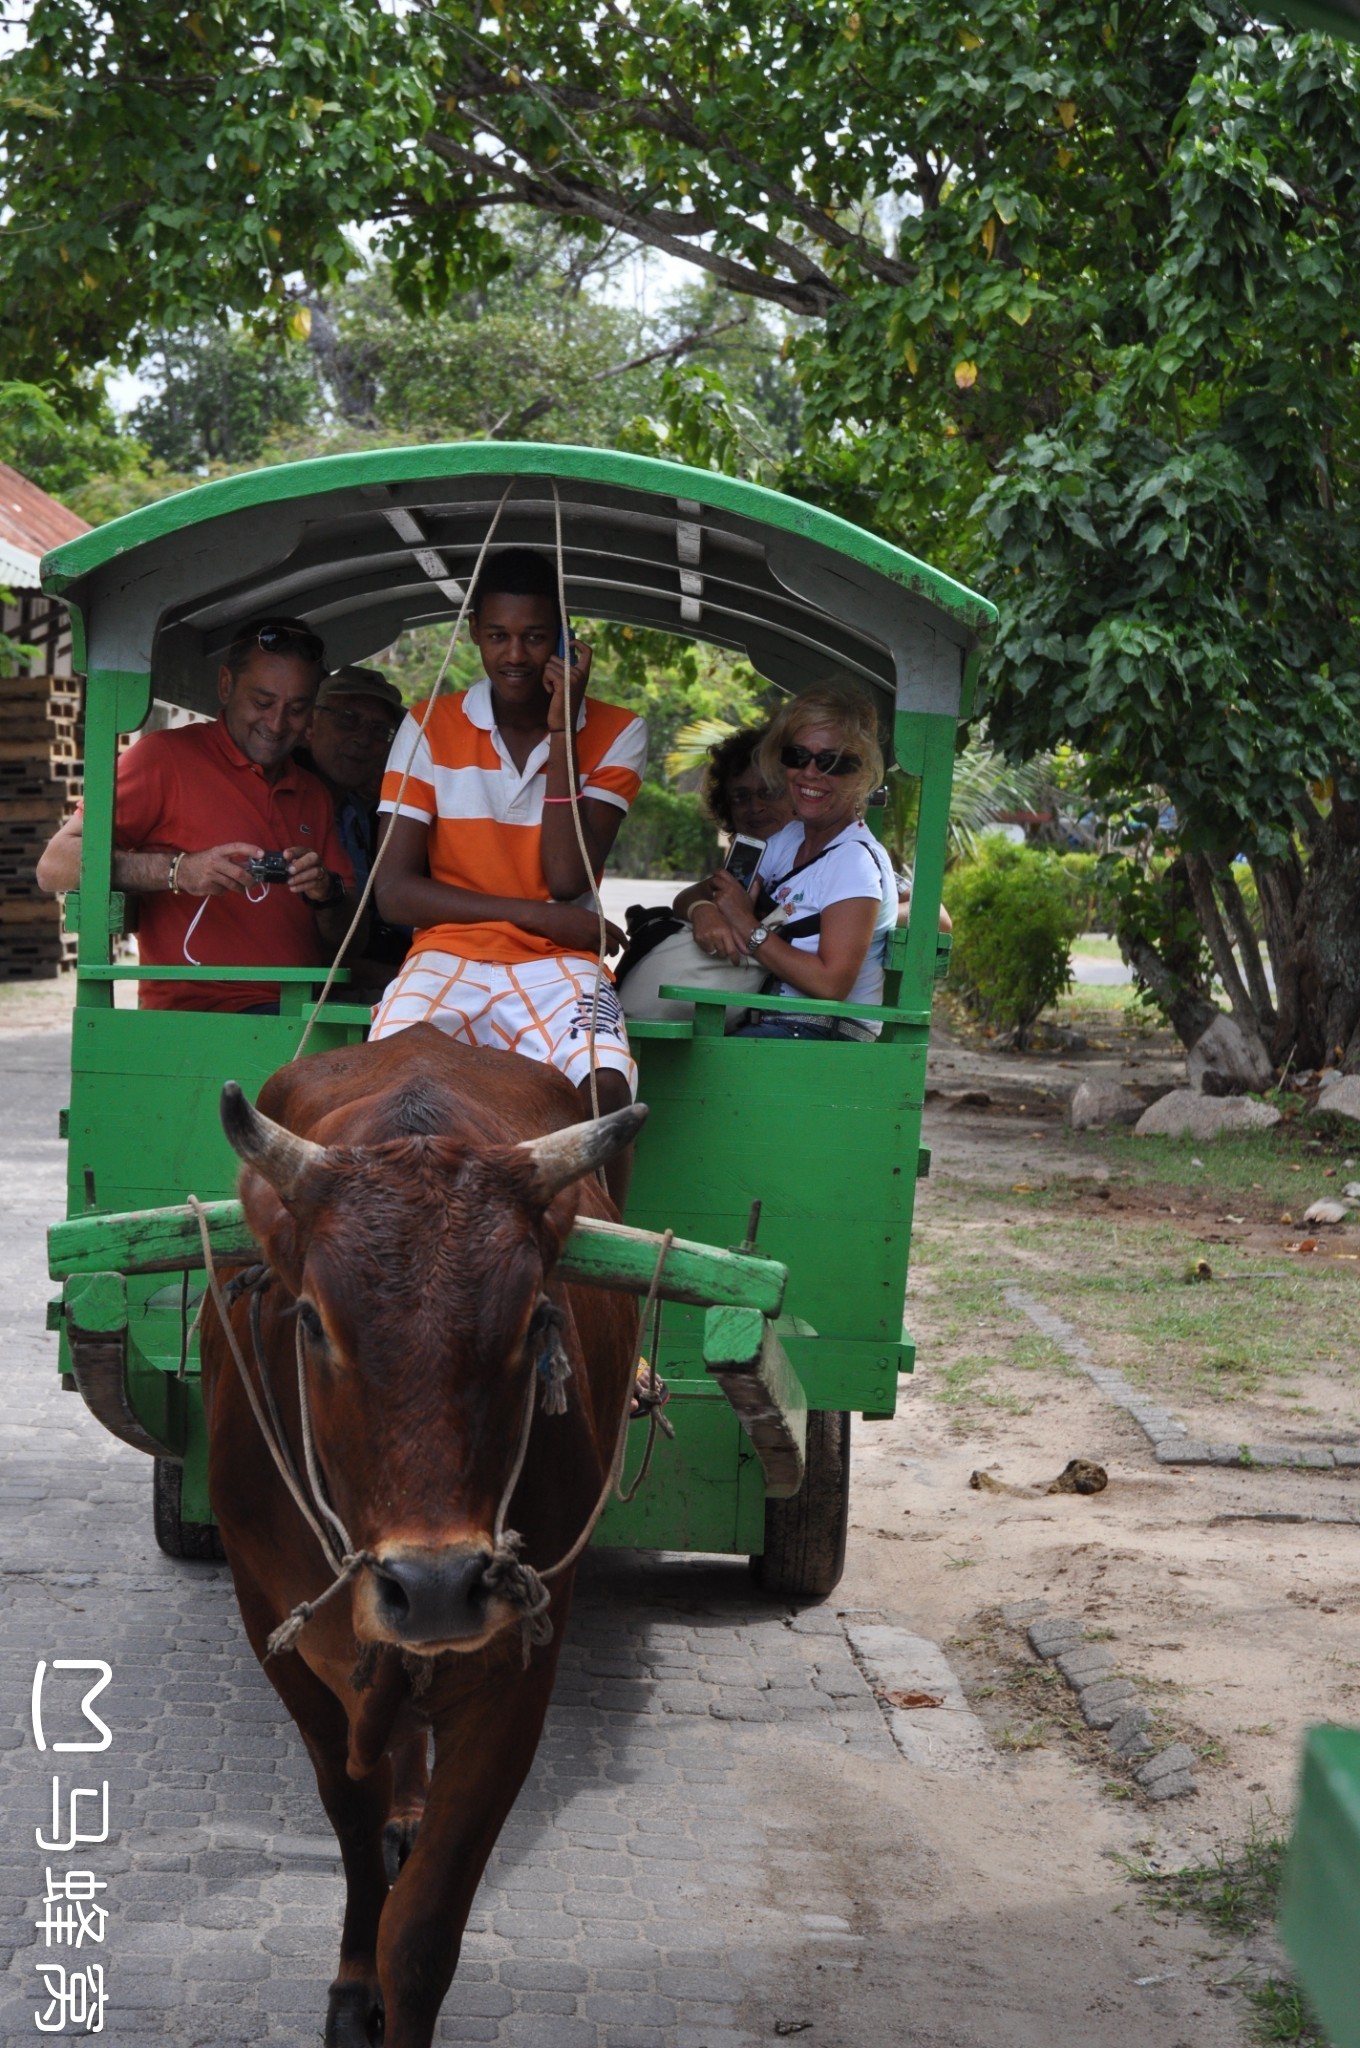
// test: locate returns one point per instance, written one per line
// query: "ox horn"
(561, 1157)
(283, 1158)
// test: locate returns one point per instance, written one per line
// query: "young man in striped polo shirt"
(506, 938)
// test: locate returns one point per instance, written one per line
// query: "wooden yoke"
(597, 1254)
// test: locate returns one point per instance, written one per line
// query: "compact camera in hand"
(270, 867)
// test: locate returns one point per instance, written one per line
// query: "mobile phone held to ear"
(743, 857)
(564, 640)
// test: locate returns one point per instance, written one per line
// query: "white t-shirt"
(853, 865)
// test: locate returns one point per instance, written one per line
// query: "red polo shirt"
(191, 788)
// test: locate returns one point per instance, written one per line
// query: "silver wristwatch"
(757, 939)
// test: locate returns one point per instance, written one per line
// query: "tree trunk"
(1220, 946)
(1190, 1013)
(1319, 988)
(1167, 957)
(1248, 946)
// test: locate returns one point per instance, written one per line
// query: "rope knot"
(509, 1578)
(286, 1634)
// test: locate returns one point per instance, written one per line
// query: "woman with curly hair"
(834, 897)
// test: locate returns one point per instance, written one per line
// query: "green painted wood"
(794, 1006)
(70, 565)
(620, 1257)
(746, 1358)
(931, 740)
(597, 1254)
(145, 1241)
(132, 971)
(705, 1490)
(1320, 1898)
(96, 1301)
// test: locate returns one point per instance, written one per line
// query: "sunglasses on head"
(290, 640)
(830, 761)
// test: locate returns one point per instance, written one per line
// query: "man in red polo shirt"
(196, 804)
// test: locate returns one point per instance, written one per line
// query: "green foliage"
(13, 653)
(1086, 890)
(1069, 295)
(985, 785)
(1147, 898)
(665, 833)
(58, 448)
(1014, 923)
(222, 396)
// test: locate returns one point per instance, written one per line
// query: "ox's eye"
(311, 1322)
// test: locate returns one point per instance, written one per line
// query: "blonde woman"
(825, 871)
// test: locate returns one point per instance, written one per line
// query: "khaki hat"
(360, 682)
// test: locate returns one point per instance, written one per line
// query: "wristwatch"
(337, 891)
(757, 939)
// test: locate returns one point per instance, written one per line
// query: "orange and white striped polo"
(486, 816)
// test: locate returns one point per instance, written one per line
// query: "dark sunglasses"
(830, 761)
(290, 640)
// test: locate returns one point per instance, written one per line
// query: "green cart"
(803, 1328)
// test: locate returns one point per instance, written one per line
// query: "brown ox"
(410, 1199)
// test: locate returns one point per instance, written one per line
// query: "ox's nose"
(433, 1596)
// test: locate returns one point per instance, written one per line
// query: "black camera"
(270, 867)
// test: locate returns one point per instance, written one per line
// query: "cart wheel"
(804, 1553)
(199, 1541)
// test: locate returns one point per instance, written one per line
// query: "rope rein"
(367, 891)
(574, 797)
(507, 1575)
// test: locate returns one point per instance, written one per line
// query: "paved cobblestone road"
(648, 1891)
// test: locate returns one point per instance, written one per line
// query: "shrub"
(1086, 889)
(666, 833)
(1015, 916)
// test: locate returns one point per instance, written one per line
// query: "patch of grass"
(1236, 1893)
(1280, 2012)
(962, 1383)
(1015, 1741)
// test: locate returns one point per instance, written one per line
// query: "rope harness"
(507, 1575)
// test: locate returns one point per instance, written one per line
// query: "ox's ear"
(282, 1159)
(561, 1157)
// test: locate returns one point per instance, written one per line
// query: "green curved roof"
(363, 545)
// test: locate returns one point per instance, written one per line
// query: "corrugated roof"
(31, 523)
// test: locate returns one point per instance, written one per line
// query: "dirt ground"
(1239, 1633)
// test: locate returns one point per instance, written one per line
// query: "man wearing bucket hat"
(354, 722)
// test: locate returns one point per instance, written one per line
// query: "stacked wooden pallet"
(40, 781)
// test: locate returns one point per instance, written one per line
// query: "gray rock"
(1326, 1211)
(1018, 1612)
(1186, 1451)
(1047, 1638)
(1176, 1785)
(1126, 1734)
(1185, 1114)
(1103, 1703)
(1079, 1667)
(1102, 1102)
(1346, 1454)
(1230, 1055)
(1300, 1457)
(1342, 1098)
(1167, 1762)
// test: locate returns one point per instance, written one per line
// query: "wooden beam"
(750, 1365)
(598, 1254)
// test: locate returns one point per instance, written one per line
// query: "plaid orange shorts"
(540, 1008)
